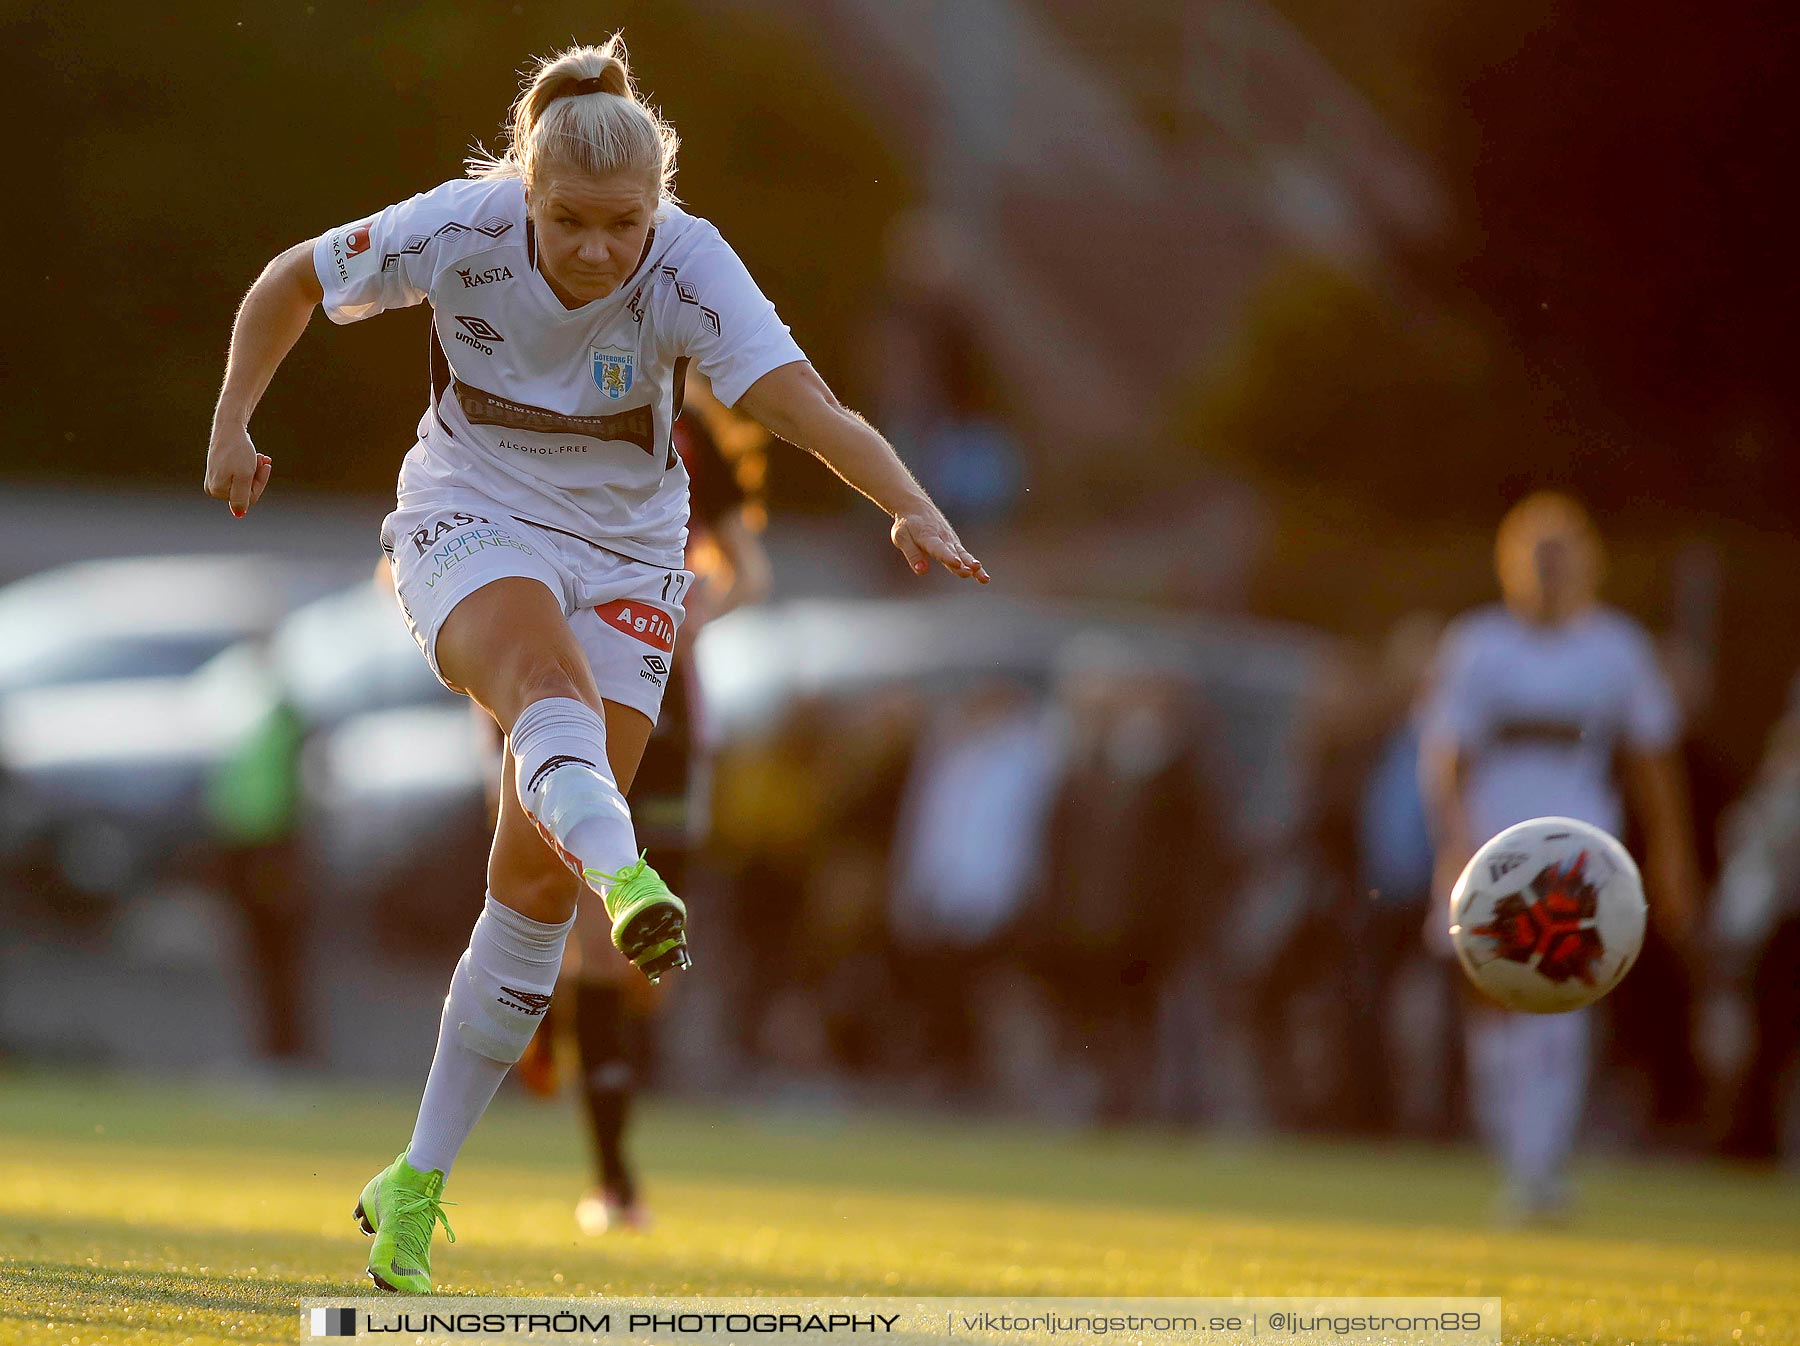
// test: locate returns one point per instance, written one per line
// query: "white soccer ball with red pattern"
(1549, 915)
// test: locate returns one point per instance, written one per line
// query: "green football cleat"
(649, 923)
(401, 1207)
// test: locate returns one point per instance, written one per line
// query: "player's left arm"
(792, 401)
(1657, 792)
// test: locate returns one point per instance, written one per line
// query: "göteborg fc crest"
(612, 370)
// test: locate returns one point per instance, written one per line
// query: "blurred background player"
(612, 1008)
(1550, 704)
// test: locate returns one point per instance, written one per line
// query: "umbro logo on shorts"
(655, 669)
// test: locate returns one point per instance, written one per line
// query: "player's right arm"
(269, 322)
(366, 267)
(1443, 774)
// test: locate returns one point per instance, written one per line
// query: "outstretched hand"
(926, 536)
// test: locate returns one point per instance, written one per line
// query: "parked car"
(145, 616)
(103, 783)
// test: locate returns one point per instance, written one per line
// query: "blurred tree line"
(1610, 313)
(1612, 310)
(185, 146)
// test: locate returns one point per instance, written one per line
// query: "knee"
(538, 674)
(550, 672)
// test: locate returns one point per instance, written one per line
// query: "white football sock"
(567, 788)
(1550, 1084)
(1529, 1075)
(1487, 1049)
(498, 995)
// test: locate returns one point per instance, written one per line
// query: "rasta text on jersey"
(474, 280)
(422, 538)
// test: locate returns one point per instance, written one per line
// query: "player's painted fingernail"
(236, 513)
(919, 568)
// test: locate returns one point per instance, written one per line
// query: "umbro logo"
(655, 669)
(562, 760)
(477, 333)
(480, 328)
(493, 227)
(529, 1001)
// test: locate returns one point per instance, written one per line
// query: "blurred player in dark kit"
(612, 1010)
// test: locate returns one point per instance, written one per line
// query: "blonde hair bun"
(554, 123)
(614, 78)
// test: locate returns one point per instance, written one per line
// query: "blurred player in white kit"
(1549, 704)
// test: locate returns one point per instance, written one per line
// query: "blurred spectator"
(1756, 932)
(1535, 701)
(968, 852)
(844, 965)
(768, 801)
(1279, 956)
(1328, 931)
(1135, 862)
(932, 391)
(1392, 892)
(1653, 1012)
(253, 804)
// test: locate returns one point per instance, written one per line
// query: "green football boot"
(649, 923)
(402, 1207)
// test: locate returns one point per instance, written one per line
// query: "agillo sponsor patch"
(640, 621)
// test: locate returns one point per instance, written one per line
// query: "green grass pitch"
(154, 1213)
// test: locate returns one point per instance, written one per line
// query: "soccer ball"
(1548, 916)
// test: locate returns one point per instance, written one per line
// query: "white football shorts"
(625, 613)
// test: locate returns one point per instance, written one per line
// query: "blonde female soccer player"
(537, 542)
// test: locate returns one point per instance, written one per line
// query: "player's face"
(590, 231)
(1557, 580)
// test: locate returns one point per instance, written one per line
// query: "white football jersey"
(562, 415)
(1540, 712)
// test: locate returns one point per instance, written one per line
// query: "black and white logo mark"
(480, 328)
(1499, 866)
(532, 1002)
(333, 1322)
